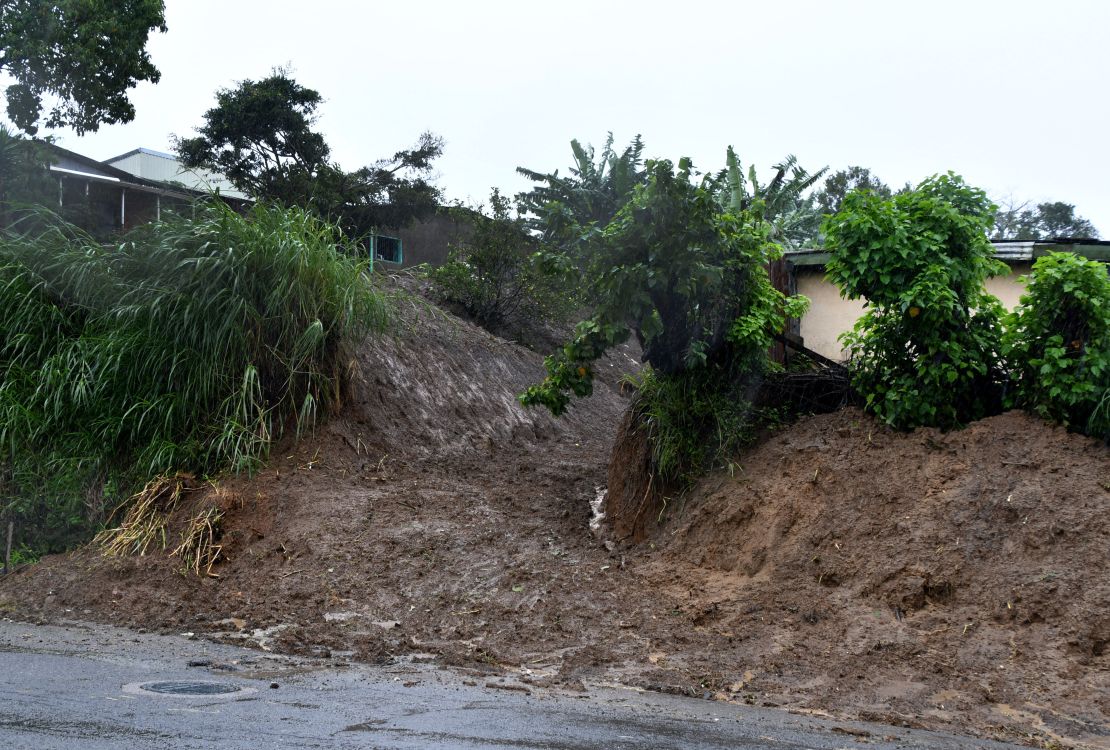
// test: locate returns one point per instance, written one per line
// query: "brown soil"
(955, 581)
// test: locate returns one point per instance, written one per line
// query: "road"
(89, 686)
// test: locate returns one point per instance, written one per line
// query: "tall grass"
(189, 345)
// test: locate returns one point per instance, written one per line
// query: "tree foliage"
(1057, 342)
(563, 209)
(831, 196)
(85, 54)
(926, 350)
(1045, 221)
(497, 274)
(687, 277)
(24, 175)
(792, 217)
(260, 136)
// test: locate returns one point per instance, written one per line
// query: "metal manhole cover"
(190, 687)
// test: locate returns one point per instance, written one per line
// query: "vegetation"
(688, 278)
(1045, 221)
(86, 54)
(259, 135)
(792, 217)
(927, 349)
(1058, 343)
(831, 196)
(188, 345)
(24, 166)
(497, 275)
(563, 210)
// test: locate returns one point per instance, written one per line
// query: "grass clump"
(188, 345)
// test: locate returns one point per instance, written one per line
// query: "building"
(165, 168)
(830, 315)
(103, 198)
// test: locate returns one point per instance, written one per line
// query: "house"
(104, 198)
(166, 168)
(830, 315)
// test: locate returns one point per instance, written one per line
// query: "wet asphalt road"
(82, 686)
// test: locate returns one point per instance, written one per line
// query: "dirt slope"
(955, 581)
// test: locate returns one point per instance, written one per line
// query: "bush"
(1057, 342)
(927, 349)
(188, 346)
(497, 276)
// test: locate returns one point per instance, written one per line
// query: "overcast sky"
(1012, 95)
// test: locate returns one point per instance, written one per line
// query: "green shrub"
(1057, 342)
(927, 349)
(497, 276)
(190, 345)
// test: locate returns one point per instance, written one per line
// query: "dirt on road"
(957, 581)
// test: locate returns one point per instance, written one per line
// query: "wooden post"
(8, 549)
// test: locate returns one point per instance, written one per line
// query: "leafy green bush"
(497, 276)
(1057, 342)
(927, 349)
(188, 346)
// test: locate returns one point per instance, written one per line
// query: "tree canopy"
(85, 54)
(260, 136)
(1045, 221)
(837, 185)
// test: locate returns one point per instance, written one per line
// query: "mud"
(950, 581)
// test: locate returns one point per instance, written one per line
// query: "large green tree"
(837, 185)
(261, 136)
(80, 56)
(1045, 221)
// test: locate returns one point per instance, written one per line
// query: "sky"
(1012, 95)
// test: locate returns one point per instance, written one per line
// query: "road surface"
(91, 687)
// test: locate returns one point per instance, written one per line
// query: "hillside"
(949, 580)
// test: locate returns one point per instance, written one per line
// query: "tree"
(837, 185)
(563, 209)
(86, 53)
(1046, 221)
(682, 274)
(791, 216)
(686, 274)
(260, 136)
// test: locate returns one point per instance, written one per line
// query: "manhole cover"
(190, 687)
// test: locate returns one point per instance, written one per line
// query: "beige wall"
(830, 314)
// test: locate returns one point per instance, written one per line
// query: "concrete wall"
(830, 314)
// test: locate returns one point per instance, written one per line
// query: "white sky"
(1010, 94)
